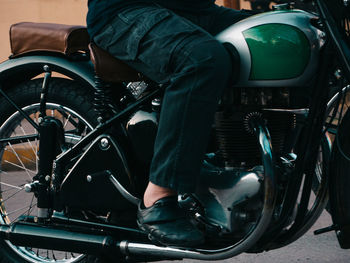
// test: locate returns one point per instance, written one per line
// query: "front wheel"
(340, 182)
(67, 102)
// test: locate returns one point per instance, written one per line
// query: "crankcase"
(222, 191)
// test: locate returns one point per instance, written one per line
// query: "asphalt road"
(308, 249)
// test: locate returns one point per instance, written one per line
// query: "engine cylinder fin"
(236, 142)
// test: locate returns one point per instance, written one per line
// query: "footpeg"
(326, 229)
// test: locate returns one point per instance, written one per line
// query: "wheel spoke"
(31, 206)
(85, 130)
(19, 159)
(31, 145)
(14, 211)
(26, 212)
(37, 157)
(67, 120)
(3, 201)
(10, 185)
(65, 115)
(5, 191)
(22, 156)
(21, 167)
(53, 255)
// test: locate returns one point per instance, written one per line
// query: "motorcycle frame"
(127, 247)
(82, 71)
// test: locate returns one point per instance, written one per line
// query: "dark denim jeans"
(177, 48)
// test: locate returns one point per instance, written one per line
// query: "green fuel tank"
(277, 48)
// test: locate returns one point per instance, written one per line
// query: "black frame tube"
(20, 139)
(100, 129)
(44, 90)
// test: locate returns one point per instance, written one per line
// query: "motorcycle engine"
(228, 198)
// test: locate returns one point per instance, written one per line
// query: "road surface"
(308, 249)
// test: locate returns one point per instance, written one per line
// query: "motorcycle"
(77, 128)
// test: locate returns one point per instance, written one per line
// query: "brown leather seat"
(111, 69)
(27, 37)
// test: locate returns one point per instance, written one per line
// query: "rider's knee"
(211, 57)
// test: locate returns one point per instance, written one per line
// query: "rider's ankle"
(154, 192)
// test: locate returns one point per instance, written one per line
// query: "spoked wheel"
(337, 106)
(67, 102)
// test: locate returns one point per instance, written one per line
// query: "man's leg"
(187, 114)
(218, 18)
(197, 68)
(214, 19)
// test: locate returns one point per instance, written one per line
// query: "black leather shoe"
(167, 224)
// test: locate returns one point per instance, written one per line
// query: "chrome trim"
(332, 100)
(220, 192)
(295, 111)
(128, 248)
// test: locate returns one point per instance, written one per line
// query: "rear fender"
(17, 70)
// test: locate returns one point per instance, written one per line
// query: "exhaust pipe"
(47, 237)
(25, 234)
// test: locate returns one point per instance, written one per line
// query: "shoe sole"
(154, 240)
(157, 242)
